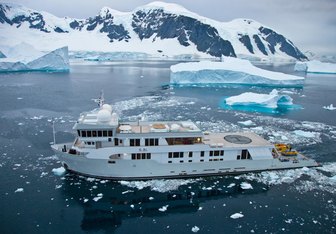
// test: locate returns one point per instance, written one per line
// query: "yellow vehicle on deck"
(286, 150)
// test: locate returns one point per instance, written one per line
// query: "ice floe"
(316, 66)
(247, 123)
(330, 107)
(236, 216)
(19, 190)
(321, 178)
(306, 133)
(245, 185)
(59, 171)
(159, 185)
(195, 229)
(98, 197)
(230, 71)
(163, 208)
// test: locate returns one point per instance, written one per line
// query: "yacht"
(108, 148)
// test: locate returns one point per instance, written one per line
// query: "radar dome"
(104, 115)
(107, 107)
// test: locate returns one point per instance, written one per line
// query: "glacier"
(316, 66)
(24, 57)
(272, 102)
(230, 71)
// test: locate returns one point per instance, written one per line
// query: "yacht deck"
(241, 139)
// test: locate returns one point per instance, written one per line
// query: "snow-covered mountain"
(158, 28)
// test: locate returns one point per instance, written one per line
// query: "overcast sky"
(309, 24)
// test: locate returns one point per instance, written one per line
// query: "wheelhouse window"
(94, 134)
(100, 133)
(78, 132)
(88, 133)
(104, 133)
(83, 133)
(202, 154)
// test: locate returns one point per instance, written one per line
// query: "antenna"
(101, 99)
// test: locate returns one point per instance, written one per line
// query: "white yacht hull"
(150, 169)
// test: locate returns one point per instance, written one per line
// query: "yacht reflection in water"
(116, 202)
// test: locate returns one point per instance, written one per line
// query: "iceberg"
(230, 71)
(24, 57)
(272, 102)
(316, 66)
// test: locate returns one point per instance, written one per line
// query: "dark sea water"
(35, 200)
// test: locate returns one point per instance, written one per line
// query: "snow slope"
(160, 29)
(229, 71)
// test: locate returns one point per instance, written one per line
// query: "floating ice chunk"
(247, 123)
(195, 229)
(59, 171)
(231, 185)
(246, 185)
(158, 185)
(127, 191)
(305, 133)
(98, 197)
(230, 71)
(330, 107)
(19, 190)
(163, 208)
(236, 216)
(272, 100)
(316, 66)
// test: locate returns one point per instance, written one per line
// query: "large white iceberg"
(316, 66)
(24, 57)
(229, 71)
(272, 100)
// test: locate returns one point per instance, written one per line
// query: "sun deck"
(157, 127)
